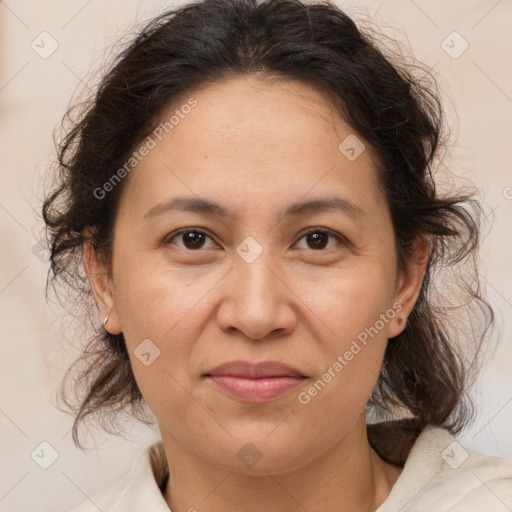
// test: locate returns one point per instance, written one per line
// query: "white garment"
(439, 475)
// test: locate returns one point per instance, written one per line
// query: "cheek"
(153, 300)
(351, 301)
(160, 315)
(352, 313)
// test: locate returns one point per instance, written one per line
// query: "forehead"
(266, 141)
(236, 115)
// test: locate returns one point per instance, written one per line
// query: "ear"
(102, 288)
(408, 287)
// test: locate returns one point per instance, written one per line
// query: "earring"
(105, 320)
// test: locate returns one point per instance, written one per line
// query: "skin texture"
(255, 147)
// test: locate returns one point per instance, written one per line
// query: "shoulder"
(113, 498)
(466, 480)
(442, 474)
(139, 490)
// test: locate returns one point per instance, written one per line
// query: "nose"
(257, 300)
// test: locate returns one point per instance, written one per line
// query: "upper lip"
(255, 370)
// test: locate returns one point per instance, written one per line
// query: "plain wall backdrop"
(467, 44)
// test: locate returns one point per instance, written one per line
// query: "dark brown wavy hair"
(428, 369)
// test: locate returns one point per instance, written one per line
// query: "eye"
(318, 238)
(192, 238)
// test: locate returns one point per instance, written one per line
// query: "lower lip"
(256, 390)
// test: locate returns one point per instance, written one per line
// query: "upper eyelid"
(182, 231)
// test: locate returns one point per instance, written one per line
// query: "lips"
(255, 383)
(255, 370)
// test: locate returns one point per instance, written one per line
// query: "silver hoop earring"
(105, 320)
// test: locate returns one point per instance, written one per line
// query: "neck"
(349, 473)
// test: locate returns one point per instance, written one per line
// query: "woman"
(250, 194)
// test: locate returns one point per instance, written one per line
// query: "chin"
(255, 452)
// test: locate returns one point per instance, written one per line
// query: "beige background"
(34, 93)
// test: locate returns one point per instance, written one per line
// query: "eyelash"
(338, 236)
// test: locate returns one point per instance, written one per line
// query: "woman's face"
(250, 284)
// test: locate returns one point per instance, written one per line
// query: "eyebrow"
(208, 207)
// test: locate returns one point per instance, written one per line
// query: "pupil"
(194, 239)
(317, 239)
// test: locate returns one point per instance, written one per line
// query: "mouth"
(255, 383)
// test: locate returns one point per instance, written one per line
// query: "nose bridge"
(258, 303)
(255, 280)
